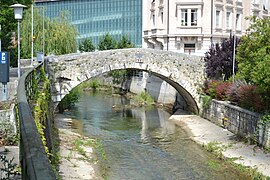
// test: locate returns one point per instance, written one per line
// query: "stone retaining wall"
(8, 120)
(237, 120)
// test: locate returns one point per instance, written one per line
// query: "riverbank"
(204, 132)
(77, 160)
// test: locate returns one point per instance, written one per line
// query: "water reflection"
(141, 144)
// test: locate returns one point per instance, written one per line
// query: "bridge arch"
(185, 73)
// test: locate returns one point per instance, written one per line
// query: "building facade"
(94, 18)
(191, 26)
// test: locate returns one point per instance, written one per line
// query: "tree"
(9, 27)
(125, 43)
(219, 60)
(60, 35)
(254, 54)
(107, 42)
(87, 46)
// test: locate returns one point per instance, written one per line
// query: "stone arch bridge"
(185, 73)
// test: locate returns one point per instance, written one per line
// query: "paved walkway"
(203, 132)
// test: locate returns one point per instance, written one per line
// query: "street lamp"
(18, 12)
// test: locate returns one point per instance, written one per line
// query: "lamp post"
(18, 12)
(234, 42)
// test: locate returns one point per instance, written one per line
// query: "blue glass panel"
(94, 18)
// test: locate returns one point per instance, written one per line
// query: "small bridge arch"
(185, 73)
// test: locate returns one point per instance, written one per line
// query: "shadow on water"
(141, 144)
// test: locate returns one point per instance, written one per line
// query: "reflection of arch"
(184, 73)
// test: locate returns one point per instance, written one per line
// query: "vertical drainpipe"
(168, 17)
(211, 38)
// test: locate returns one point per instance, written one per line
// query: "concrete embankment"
(203, 132)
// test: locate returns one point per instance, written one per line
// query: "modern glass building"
(94, 18)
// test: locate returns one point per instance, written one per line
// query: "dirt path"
(77, 160)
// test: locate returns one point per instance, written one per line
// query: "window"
(218, 19)
(189, 17)
(193, 17)
(256, 13)
(189, 48)
(238, 22)
(161, 16)
(184, 18)
(265, 5)
(154, 19)
(228, 20)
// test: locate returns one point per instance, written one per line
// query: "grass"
(216, 148)
(80, 144)
(213, 164)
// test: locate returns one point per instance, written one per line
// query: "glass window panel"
(218, 19)
(194, 17)
(228, 20)
(184, 17)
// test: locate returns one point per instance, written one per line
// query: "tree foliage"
(9, 27)
(107, 42)
(60, 35)
(124, 43)
(86, 46)
(254, 54)
(219, 59)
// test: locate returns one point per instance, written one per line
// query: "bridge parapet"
(185, 73)
(34, 161)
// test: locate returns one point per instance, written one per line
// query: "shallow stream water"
(141, 144)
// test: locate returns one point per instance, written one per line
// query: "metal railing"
(35, 164)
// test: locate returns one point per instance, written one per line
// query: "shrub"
(206, 101)
(8, 135)
(222, 90)
(210, 88)
(232, 92)
(144, 98)
(249, 98)
(69, 100)
(94, 84)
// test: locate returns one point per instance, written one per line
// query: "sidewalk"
(203, 132)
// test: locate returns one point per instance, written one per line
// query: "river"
(140, 144)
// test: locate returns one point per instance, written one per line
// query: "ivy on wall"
(41, 113)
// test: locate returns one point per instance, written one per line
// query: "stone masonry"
(185, 73)
(238, 120)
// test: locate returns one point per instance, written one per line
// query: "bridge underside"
(191, 103)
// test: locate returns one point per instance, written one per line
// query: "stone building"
(190, 26)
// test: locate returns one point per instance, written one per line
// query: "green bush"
(144, 98)
(69, 100)
(7, 134)
(210, 88)
(206, 101)
(94, 84)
